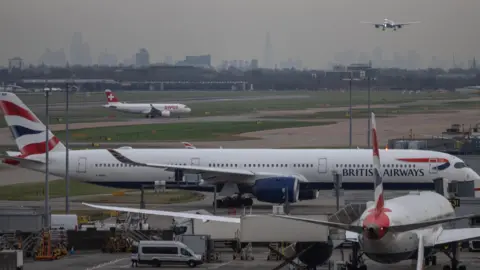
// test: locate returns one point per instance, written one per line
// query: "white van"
(172, 252)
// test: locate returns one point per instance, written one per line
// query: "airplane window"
(459, 165)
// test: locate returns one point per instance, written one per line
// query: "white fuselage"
(146, 108)
(315, 166)
(412, 208)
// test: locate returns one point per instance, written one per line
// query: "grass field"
(159, 96)
(180, 131)
(447, 107)
(317, 99)
(35, 191)
(168, 197)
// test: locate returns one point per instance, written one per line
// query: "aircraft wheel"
(247, 202)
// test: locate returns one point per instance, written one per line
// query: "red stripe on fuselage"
(39, 148)
(423, 160)
(12, 109)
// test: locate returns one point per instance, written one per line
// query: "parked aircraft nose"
(188, 110)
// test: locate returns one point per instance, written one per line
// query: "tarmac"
(105, 261)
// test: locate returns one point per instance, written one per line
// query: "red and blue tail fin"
(27, 130)
(379, 200)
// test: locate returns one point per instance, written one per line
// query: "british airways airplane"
(262, 173)
(149, 110)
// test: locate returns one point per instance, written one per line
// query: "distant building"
(53, 58)
(15, 63)
(142, 58)
(196, 61)
(107, 59)
(254, 64)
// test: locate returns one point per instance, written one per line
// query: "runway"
(95, 104)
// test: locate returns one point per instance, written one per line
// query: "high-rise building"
(268, 54)
(107, 59)
(79, 51)
(142, 58)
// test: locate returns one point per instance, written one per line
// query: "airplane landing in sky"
(150, 110)
(389, 24)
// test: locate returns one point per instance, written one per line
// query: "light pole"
(67, 173)
(350, 110)
(369, 109)
(47, 207)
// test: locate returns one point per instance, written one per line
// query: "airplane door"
(433, 165)
(82, 165)
(195, 162)
(322, 165)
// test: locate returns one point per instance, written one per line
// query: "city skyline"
(312, 32)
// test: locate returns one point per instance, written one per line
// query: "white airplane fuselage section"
(145, 108)
(402, 169)
(412, 208)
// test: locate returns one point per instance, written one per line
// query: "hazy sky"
(312, 30)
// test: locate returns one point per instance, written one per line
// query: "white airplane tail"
(27, 130)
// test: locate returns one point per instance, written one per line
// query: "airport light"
(350, 109)
(67, 173)
(369, 108)
(46, 191)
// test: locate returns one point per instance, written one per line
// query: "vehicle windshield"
(185, 252)
(460, 165)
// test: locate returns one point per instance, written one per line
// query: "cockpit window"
(460, 165)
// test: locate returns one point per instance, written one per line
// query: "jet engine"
(317, 254)
(165, 113)
(272, 190)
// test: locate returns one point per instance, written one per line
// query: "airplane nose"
(188, 110)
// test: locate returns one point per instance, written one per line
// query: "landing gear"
(452, 252)
(149, 116)
(431, 260)
(356, 261)
(237, 201)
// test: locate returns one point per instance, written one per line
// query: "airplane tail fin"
(188, 145)
(379, 200)
(111, 98)
(27, 130)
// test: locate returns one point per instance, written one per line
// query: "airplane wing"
(352, 228)
(24, 161)
(205, 218)
(359, 229)
(457, 235)
(372, 23)
(406, 23)
(186, 168)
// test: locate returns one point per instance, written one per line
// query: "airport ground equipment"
(11, 260)
(47, 251)
(200, 244)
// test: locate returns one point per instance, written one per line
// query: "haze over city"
(313, 33)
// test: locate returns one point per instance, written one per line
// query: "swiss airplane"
(150, 110)
(406, 227)
(238, 174)
(389, 24)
